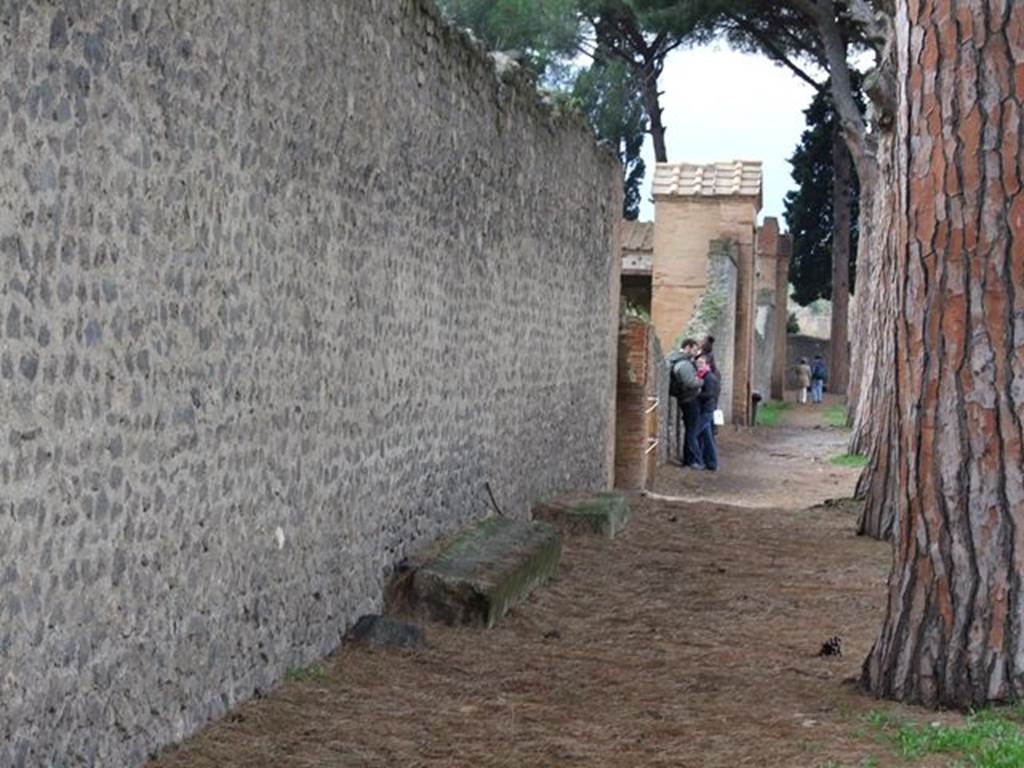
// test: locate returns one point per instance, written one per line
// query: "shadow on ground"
(690, 640)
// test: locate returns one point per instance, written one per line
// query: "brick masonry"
(771, 308)
(281, 289)
(688, 216)
(637, 405)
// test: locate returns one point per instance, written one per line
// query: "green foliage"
(312, 672)
(849, 460)
(769, 413)
(792, 324)
(808, 208)
(629, 309)
(990, 738)
(608, 96)
(544, 31)
(709, 310)
(626, 57)
(836, 415)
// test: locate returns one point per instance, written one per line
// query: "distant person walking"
(803, 379)
(708, 400)
(819, 375)
(684, 386)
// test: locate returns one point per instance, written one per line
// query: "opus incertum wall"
(283, 284)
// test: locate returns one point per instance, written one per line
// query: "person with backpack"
(684, 386)
(819, 375)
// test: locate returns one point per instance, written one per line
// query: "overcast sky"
(720, 105)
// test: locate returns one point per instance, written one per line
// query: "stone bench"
(586, 512)
(485, 569)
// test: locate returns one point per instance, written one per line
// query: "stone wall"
(715, 314)
(683, 228)
(764, 340)
(281, 289)
(780, 354)
(799, 345)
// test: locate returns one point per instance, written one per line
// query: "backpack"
(818, 370)
(678, 388)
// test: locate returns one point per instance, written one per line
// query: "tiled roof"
(638, 236)
(739, 177)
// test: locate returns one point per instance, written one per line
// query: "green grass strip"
(849, 460)
(835, 415)
(770, 412)
(988, 738)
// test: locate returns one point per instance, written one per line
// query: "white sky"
(719, 105)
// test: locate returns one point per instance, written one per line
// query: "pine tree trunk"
(953, 633)
(652, 104)
(840, 362)
(875, 412)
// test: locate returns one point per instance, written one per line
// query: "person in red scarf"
(708, 401)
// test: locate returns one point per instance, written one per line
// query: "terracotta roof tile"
(739, 177)
(638, 236)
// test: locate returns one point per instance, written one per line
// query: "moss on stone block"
(488, 567)
(603, 513)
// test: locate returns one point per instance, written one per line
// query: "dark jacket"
(818, 370)
(684, 373)
(708, 397)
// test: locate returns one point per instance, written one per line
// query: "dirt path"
(690, 640)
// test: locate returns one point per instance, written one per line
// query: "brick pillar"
(781, 352)
(767, 305)
(744, 360)
(636, 418)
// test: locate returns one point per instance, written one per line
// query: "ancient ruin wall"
(284, 283)
(715, 314)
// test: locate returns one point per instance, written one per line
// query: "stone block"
(487, 568)
(385, 632)
(585, 512)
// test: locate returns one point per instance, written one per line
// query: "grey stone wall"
(799, 345)
(764, 340)
(283, 284)
(715, 313)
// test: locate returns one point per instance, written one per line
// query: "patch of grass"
(770, 412)
(990, 738)
(835, 415)
(856, 460)
(312, 672)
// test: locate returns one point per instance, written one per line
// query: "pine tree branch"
(773, 51)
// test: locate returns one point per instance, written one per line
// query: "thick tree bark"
(840, 363)
(870, 400)
(953, 633)
(874, 351)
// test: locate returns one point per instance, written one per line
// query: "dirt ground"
(690, 640)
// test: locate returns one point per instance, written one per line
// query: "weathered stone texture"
(771, 310)
(685, 222)
(586, 513)
(281, 288)
(715, 314)
(489, 567)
